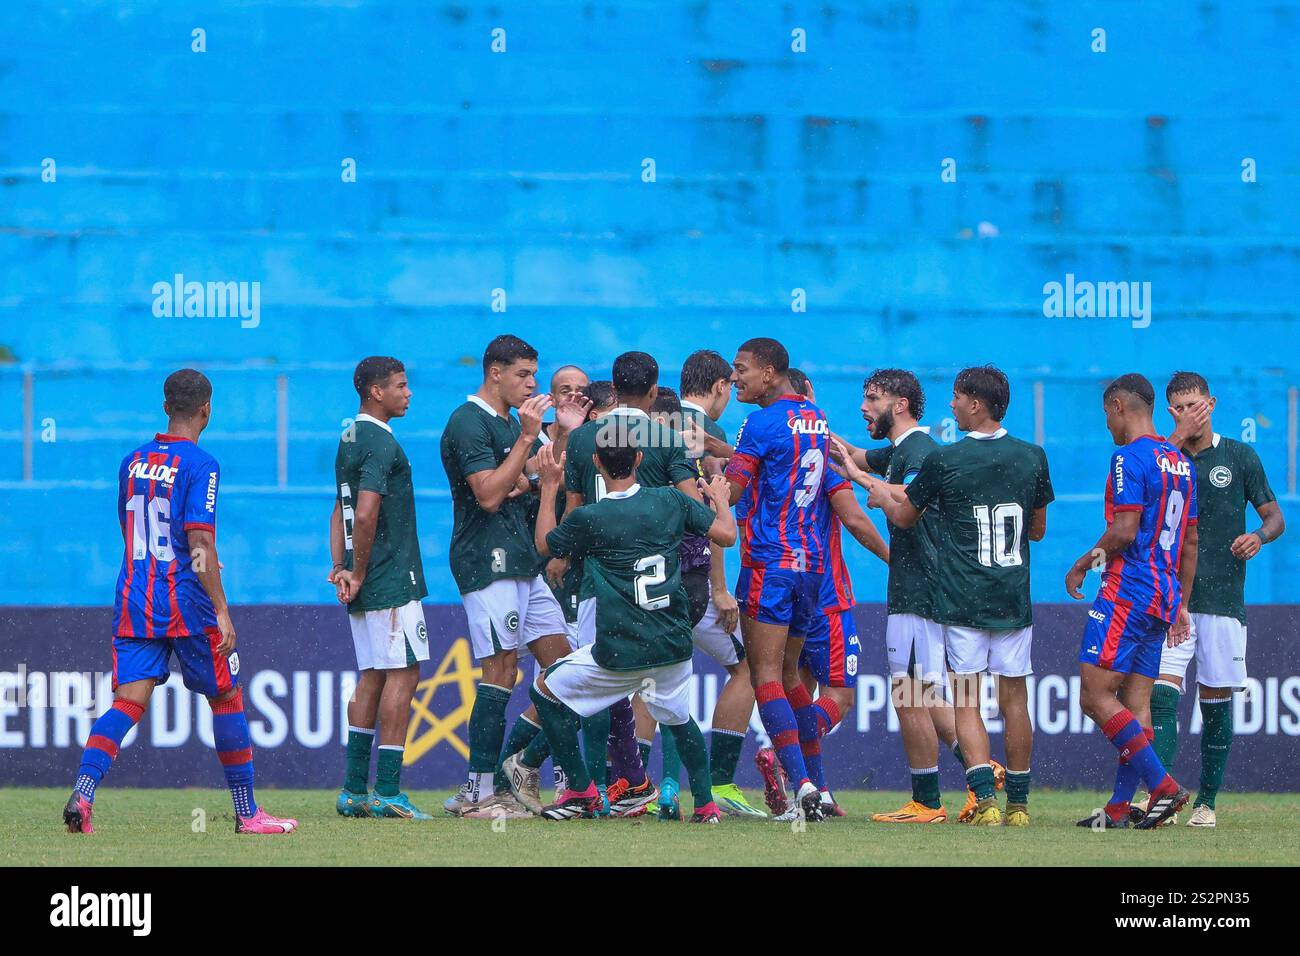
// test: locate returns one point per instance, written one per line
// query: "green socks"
(724, 755)
(1164, 722)
(537, 751)
(1018, 787)
(521, 735)
(487, 728)
(388, 775)
(980, 779)
(672, 759)
(357, 776)
(559, 727)
(595, 744)
(1216, 741)
(690, 747)
(925, 787)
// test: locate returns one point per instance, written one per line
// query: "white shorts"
(1218, 644)
(915, 648)
(713, 640)
(585, 687)
(972, 650)
(391, 638)
(511, 613)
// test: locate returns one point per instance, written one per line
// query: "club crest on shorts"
(512, 621)
(1220, 476)
(422, 632)
(233, 663)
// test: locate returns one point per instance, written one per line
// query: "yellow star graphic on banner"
(426, 729)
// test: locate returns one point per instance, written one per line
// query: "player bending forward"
(169, 599)
(629, 540)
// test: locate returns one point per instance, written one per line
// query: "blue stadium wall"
(487, 178)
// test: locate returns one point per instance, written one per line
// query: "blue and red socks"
(1134, 746)
(777, 715)
(806, 720)
(828, 715)
(1126, 783)
(103, 743)
(235, 751)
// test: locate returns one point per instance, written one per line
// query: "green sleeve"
(699, 517)
(1043, 494)
(471, 444)
(569, 538)
(572, 477)
(376, 466)
(925, 487)
(1258, 491)
(679, 468)
(878, 459)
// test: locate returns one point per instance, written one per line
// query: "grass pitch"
(161, 827)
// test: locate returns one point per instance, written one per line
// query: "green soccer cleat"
(351, 804)
(398, 807)
(670, 807)
(731, 800)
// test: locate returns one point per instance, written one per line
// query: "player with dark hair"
(378, 574)
(1149, 557)
(779, 468)
(630, 539)
(706, 392)
(509, 606)
(169, 600)
(990, 492)
(1228, 476)
(602, 396)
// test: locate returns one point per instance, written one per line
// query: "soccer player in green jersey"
(496, 567)
(991, 493)
(892, 405)
(706, 391)
(1228, 476)
(630, 539)
(378, 574)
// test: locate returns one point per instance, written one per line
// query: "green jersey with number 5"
(629, 542)
(485, 545)
(370, 459)
(985, 489)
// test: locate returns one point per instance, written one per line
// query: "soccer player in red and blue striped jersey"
(1149, 555)
(169, 600)
(780, 468)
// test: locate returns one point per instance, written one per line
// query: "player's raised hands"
(550, 468)
(695, 438)
(717, 490)
(530, 416)
(843, 463)
(1191, 421)
(573, 411)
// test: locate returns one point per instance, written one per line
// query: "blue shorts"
(1121, 639)
(779, 596)
(831, 649)
(203, 670)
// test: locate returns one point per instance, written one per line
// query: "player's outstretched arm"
(717, 491)
(493, 486)
(1182, 627)
(1117, 537)
(859, 525)
(203, 554)
(844, 451)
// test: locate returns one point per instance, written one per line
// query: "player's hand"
(530, 416)
(878, 493)
(1074, 581)
(696, 439)
(1246, 546)
(1182, 627)
(573, 411)
(841, 449)
(556, 569)
(227, 629)
(718, 490)
(842, 461)
(728, 611)
(1191, 422)
(346, 585)
(550, 468)
(521, 487)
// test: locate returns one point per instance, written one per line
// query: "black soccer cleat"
(574, 806)
(1162, 808)
(1099, 819)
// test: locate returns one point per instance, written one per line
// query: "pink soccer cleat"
(263, 822)
(76, 814)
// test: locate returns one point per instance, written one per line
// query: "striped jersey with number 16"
(1150, 475)
(166, 488)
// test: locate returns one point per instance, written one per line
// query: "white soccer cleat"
(499, 806)
(524, 781)
(1202, 816)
